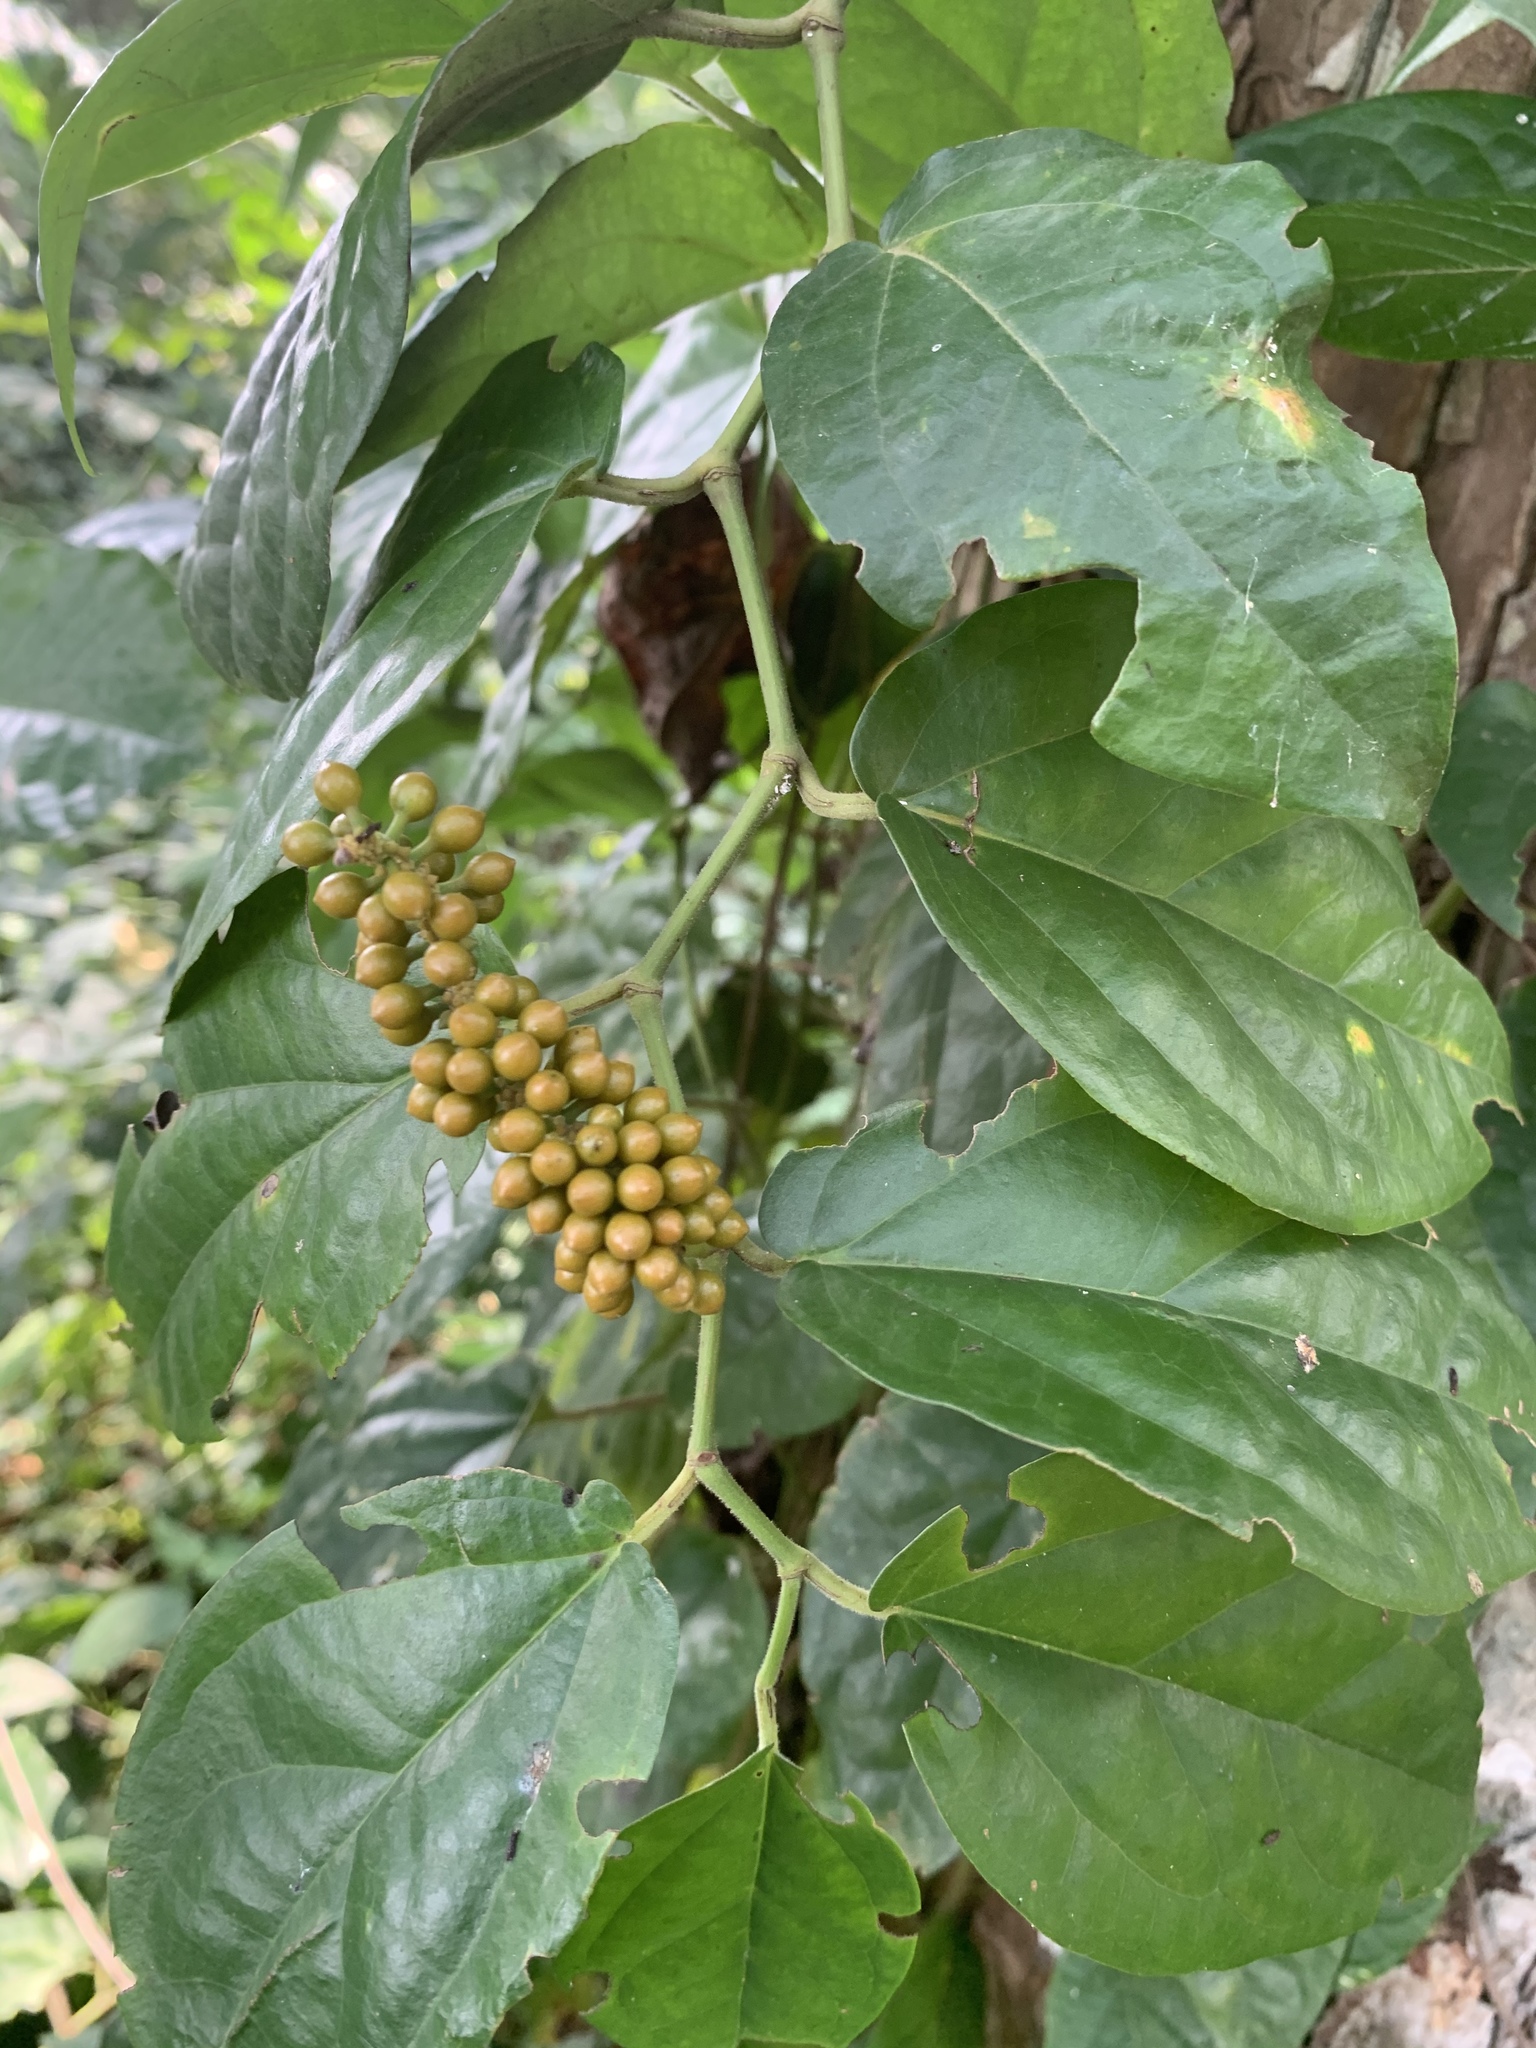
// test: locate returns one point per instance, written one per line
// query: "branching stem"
(88, 1926)
(650, 493)
(824, 46)
(732, 31)
(762, 137)
(765, 1685)
(792, 1559)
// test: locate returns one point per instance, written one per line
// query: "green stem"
(701, 1437)
(723, 489)
(727, 31)
(1441, 911)
(768, 140)
(650, 492)
(666, 1505)
(824, 44)
(765, 1685)
(648, 1014)
(793, 1561)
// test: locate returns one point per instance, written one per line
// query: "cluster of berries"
(611, 1167)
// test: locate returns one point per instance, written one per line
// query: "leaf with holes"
(740, 1914)
(1248, 986)
(1189, 1754)
(290, 1179)
(1090, 360)
(1069, 1282)
(364, 1822)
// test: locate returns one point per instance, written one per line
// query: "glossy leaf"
(942, 2000)
(1248, 986)
(1189, 1753)
(291, 1178)
(1128, 1307)
(366, 1822)
(618, 244)
(1486, 806)
(470, 515)
(773, 1377)
(1158, 79)
(740, 1914)
(104, 695)
(970, 376)
(900, 1469)
(1268, 2004)
(1427, 204)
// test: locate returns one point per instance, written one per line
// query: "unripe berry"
(647, 1104)
(548, 1092)
(446, 963)
(621, 1307)
(489, 873)
(553, 1162)
(487, 908)
(499, 992)
(430, 1063)
(580, 1038)
(470, 1072)
(546, 1212)
(338, 787)
(591, 1192)
(583, 1234)
(422, 1101)
(668, 1226)
(409, 896)
(376, 926)
(435, 863)
(410, 1034)
(454, 917)
(569, 1261)
(658, 1268)
(628, 1236)
(396, 1005)
(516, 1056)
(730, 1231)
(605, 1116)
(716, 1204)
(517, 1130)
(587, 1073)
(569, 1283)
(594, 1145)
(639, 1143)
(608, 1275)
(684, 1180)
(514, 1187)
(543, 1020)
(308, 843)
(640, 1187)
(472, 1024)
(377, 966)
(698, 1225)
(413, 795)
(680, 1133)
(341, 895)
(708, 1294)
(621, 1082)
(456, 828)
(680, 1294)
(457, 1115)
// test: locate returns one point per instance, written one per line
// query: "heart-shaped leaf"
(1068, 1282)
(291, 1177)
(1091, 360)
(457, 538)
(1249, 987)
(365, 1822)
(1189, 1753)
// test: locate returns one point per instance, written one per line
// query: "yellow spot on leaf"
(1287, 406)
(1360, 1038)
(1456, 1052)
(1036, 528)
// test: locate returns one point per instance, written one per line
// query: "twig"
(88, 1926)
(765, 1685)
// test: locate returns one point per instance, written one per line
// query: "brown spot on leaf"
(268, 1188)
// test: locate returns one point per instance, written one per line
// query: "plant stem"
(650, 492)
(701, 1437)
(69, 1898)
(666, 1505)
(761, 1260)
(645, 976)
(752, 1015)
(824, 45)
(765, 1685)
(768, 140)
(1439, 914)
(792, 1559)
(728, 31)
(648, 1014)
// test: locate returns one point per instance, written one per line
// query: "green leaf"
(618, 244)
(774, 1379)
(291, 1178)
(1159, 79)
(104, 695)
(1504, 1204)
(1268, 2004)
(587, 782)
(497, 1518)
(1248, 986)
(1189, 1754)
(971, 376)
(741, 1914)
(469, 517)
(942, 2000)
(1486, 806)
(899, 1470)
(39, 1948)
(28, 1686)
(1069, 1282)
(137, 1618)
(366, 1822)
(1427, 204)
